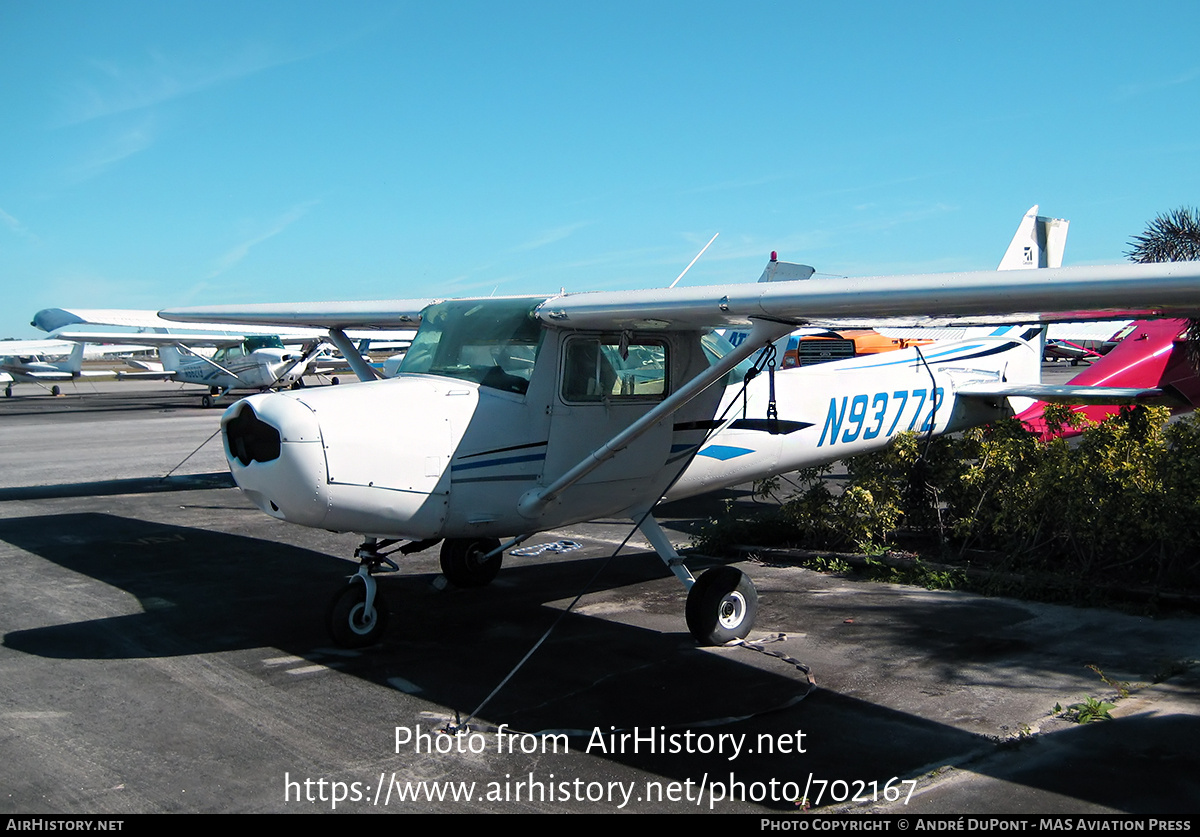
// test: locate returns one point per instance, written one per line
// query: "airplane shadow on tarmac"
(205, 592)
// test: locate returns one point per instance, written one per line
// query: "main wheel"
(349, 625)
(206, 401)
(721, 606)
(55, 390)
(8, 391)
(463, 561)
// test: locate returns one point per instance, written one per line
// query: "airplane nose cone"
(273, 445)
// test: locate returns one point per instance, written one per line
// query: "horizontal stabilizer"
(144, 376)
(1067, 394)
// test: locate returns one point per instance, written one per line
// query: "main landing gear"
(721, 605)
(357, 615)
(210, 398)
(471, 562)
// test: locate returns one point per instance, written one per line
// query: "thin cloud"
(1130, 91)
(745, 183)
(550, 236)
(115, 88)
(17, 227)
(280, 224)
(118, 147)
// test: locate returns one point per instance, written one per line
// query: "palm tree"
(1173, 237)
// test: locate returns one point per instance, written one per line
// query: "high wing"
(58, 320)
(370, 314)
(151, 339)
(1064, 294)
(10, 348)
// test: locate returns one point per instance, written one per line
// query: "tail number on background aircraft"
(866, 415)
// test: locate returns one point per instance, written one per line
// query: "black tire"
(55, 390)
(206, 401)
(721, 606)
(8, 392)
(334, 380)
(344, 619)
(462, 562)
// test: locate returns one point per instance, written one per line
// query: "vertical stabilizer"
(1038, 242)
(777, 271)
(75, 360)
(171, 357)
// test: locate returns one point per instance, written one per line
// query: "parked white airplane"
(254, 363)
(251, 357)
(519, 415)
(24, 361)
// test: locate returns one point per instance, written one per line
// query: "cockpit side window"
(493, 342)
(229, 353)
(613, 367)
(716, 347)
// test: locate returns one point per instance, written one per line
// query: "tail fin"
(75, 360)
(171, 358)
(777, 271)
(1038, 242)
(1151, 356)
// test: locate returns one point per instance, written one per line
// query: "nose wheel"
(721, 606)
(357, 616)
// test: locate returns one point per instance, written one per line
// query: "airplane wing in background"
(10, 348)
(59, 320)
(151, 339)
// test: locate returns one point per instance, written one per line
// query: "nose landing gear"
(357, 614)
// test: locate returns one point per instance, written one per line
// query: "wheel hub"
(732, 611)
(360, 622)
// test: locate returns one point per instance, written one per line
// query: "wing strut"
(361, 368)
(762, 333)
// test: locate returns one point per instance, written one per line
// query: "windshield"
(493, 342)
(267, 341)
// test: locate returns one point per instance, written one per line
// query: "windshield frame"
(491, 342)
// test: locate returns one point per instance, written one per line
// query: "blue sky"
(172, 153)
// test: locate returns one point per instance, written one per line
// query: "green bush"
(1119, 504)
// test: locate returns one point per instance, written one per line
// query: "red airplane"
(1152, 355)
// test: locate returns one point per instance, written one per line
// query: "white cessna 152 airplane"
(512, 416)
(255, 362)
(246, 358)
(24, 361)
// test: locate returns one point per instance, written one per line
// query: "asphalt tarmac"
(164, 650)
